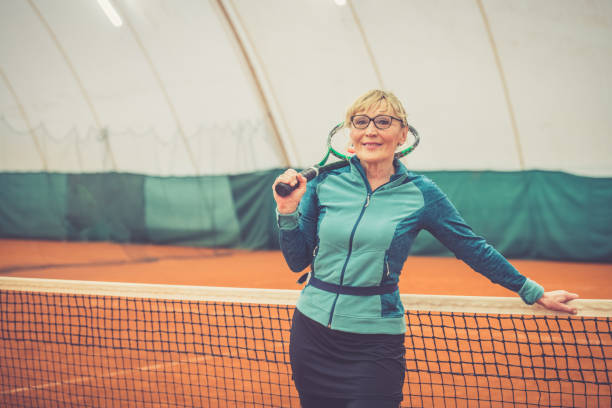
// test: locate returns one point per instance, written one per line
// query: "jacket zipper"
(314, 256)
(387, 264)
(348, 256)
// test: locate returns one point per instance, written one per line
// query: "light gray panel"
(436, 57)
(558, 59)
(116, 79)
(208, 86)
(315, 62)
(43, 86)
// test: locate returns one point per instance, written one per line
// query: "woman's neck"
(378, 173)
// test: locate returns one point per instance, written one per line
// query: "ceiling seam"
(504, 83)
(80, 85)
(273, 114)
(163, 90)
(366, 43)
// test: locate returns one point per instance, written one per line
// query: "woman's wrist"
(288, 221)
(286, 210)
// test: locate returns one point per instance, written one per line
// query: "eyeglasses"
(381, 121)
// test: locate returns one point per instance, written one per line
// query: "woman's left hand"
(557, 301)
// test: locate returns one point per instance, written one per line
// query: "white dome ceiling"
(234, 86)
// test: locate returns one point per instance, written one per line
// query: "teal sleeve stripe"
(287, 221)
(531, 291)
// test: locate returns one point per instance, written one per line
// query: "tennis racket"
(339, 146)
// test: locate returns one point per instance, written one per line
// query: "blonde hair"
(376, 97)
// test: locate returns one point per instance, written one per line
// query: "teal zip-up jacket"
(355, 237)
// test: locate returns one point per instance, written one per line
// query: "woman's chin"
(374, 157)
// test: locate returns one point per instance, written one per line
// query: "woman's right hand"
(287, 205)
(557, 301)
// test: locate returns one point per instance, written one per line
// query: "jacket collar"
(401, 172)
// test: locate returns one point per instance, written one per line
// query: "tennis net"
(76, 343)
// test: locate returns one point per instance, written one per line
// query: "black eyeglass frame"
(374, 120)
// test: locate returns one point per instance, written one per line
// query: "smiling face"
(378, 146)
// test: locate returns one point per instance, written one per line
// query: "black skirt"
(337, 364)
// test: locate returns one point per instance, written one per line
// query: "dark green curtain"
(531, 214)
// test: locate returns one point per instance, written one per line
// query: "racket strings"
(341, 145)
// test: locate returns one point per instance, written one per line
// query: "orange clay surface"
(105, 261)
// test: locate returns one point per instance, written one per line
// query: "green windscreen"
(530, 214)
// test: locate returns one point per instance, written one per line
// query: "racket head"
(404, 150)
(339, 143)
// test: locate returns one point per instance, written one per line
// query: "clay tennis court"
(266, 269)
(216, 357)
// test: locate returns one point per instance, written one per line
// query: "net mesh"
(77, 349)
(466, 359)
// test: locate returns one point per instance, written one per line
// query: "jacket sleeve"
(297, 231)
(445, 223)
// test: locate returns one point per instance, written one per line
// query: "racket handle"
(284, 189)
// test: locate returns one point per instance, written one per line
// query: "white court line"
(85, 379)
(549, 340)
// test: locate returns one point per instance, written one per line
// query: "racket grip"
(284, 189)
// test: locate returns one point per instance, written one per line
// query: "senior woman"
(355, 226)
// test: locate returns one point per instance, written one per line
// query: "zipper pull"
(367, 200)
(314, 251)
(388, 271)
